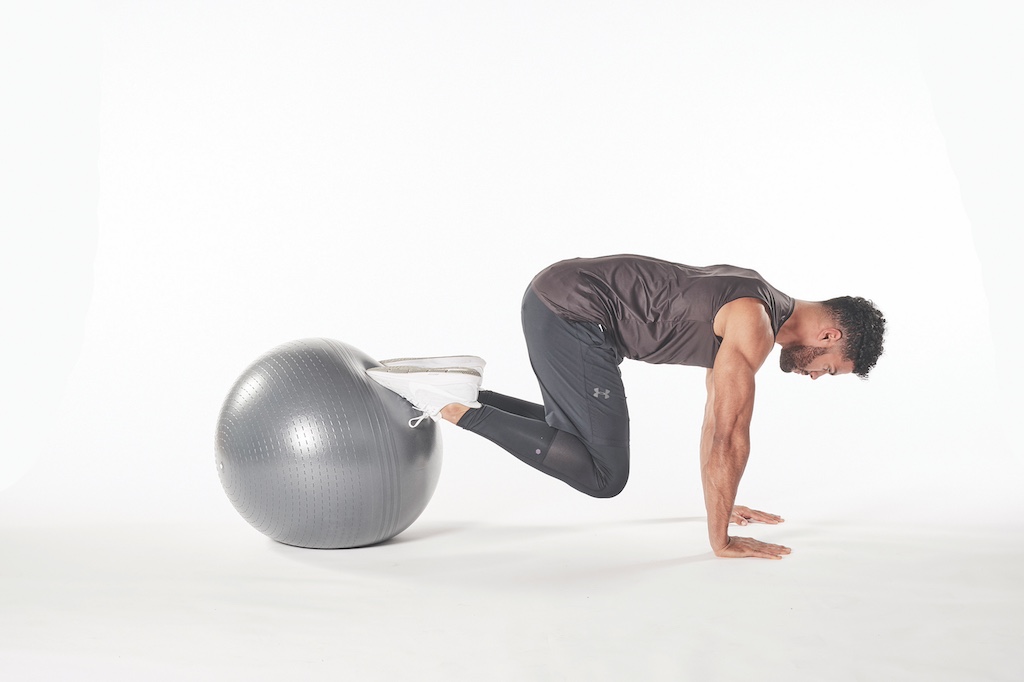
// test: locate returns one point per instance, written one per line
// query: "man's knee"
(609, 485)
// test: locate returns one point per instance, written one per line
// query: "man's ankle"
(454, 412)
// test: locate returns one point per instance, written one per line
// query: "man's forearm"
(721, 471)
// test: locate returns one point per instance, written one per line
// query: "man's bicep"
(733, 387)
(747, 339)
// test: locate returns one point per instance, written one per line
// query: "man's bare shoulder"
(745, 326)
(743, 315)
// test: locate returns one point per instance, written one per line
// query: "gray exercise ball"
(313, 453)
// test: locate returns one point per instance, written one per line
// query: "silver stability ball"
(313, 453)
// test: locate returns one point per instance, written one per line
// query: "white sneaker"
(430, 389)
(440, 362)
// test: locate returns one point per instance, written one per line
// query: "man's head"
(851, 342)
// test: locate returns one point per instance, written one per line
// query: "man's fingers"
(765, 517)
(749, 547)
(774, 554)
(772, 551)
(739, 518)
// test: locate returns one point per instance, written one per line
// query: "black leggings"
(580, 435)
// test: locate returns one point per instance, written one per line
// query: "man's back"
(657, 311)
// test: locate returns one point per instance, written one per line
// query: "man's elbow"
(734, 441)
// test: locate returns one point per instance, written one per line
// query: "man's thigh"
(579, 376)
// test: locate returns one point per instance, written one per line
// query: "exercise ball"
(313, 453)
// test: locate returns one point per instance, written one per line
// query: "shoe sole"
(416, 369)
(439, 362)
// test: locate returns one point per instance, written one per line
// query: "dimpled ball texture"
(313, 453)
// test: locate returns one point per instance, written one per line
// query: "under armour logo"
(602, 393)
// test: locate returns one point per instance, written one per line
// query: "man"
(582, 316)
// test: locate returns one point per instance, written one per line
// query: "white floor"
(637, 600)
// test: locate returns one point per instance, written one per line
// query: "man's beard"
(798, 357)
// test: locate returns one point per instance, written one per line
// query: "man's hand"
(749, 547)
(743, 515)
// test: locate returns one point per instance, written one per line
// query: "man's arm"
(725, 438)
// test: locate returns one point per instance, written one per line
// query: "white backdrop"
(196, 182)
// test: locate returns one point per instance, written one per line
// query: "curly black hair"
(863, 328)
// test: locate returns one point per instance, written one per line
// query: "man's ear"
(830, 334)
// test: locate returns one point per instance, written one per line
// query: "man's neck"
(804, 320)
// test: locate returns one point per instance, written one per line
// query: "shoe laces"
(415, 421)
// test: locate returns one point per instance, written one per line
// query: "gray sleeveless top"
(654, 310)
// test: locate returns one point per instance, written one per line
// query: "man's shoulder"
(748, 323)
